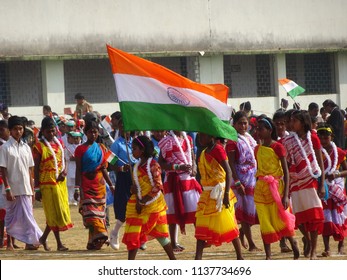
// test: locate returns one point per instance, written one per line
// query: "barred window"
(314, 72)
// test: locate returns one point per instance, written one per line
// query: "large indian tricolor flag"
(152, 97)
(292, 88)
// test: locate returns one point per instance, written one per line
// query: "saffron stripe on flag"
(125, 63)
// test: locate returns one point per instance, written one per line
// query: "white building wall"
(58, 30)
(71, 27)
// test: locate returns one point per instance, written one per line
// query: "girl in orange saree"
(146, 208)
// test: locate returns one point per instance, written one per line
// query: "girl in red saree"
(335, 201)
(91, 174)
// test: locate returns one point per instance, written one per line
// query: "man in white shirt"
(16, 164)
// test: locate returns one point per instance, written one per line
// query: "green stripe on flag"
(113, 160)
(139, 116)
(296, 91)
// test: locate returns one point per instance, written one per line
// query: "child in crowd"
(335, 203)
(122, 149)
(271, 190)
(279, 120)
(305, 164)
(215, 215)
(181, 189)
(50, 183)
(156, 136)
(280, 123)
(146, 208)
(243, 165)
(73, 141)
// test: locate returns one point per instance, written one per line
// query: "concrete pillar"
(341, 80)
(279, 73)
(53, 85)
(211, 69)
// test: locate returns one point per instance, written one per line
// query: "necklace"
(186, 160)
(149, 174)
(318, 172)
(54, 155)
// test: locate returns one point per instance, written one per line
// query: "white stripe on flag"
(149, 90)
(290, 86)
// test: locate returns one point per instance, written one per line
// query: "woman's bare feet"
(254, 248)
(307, 247)
(295, 249)
(44, 244)
(62, 248)
(243, 241)
(9, 248)
(326, 254)
(177, 248)
(340, 249)
(30, 247)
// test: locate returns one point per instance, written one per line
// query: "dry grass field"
(76, 238)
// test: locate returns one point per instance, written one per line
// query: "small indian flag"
(152, 97)
(292, 88)
(111, 157)
(106, 123)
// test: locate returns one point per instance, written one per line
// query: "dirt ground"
(76, 239)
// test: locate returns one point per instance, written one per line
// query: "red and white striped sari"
(306, 203)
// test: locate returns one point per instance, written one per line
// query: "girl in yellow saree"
(215, 215)
(50, 183)
(271, 191)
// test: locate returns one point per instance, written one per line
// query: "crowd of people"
(285, 172)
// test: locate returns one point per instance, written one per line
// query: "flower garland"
(55, 139)
(250, 148)
(328, 159)
(136, 180)
(314, 161)
(331, 168)
(189, 160)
